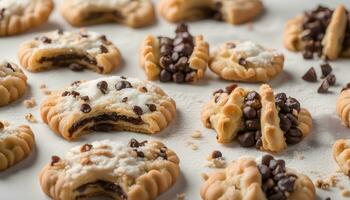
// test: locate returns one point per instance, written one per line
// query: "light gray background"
(21, 181)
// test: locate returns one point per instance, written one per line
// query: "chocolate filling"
(250, 133)
(69, 60)
(114, 15)
(277, 184)
(314, 29)
(107, 186)
(289, 109)
(101, 122)
(174, 56)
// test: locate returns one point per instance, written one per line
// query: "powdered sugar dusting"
(12, 7)
(8, 131)
(104, 3)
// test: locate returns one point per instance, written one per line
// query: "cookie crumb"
(327, 183)
(192, 145)
(298, 155)
(204, 176)
(30, 118)
(196, 134)
(29, 103)
(180, 196)
(44, 90)
(345, 193)
(216, 160)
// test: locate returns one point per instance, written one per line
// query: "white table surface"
(21, 181)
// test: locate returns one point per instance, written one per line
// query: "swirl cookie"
(341, 154)
(320, 31)
(230, 11)
(133, 13)
(264, 120)
(137, 171)
(266, 179)
(13, 83)
(181, 59)
(76, 50)
(343, 105)
(16, 143)
(105, 104)
(246, 61)
(18, 16)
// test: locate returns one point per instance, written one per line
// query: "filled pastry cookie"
(257, 119)
(76, 50)
(180, 59)
(341, 154)
(106, 104)
(321, 31)
(13, 83)
(18, 16)
(343, 105)
(133, 13)
(230, 11)
(16, 143)
(248, 179)
(246, 61)
(134, 171)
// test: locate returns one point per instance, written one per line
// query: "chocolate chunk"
(139, 154)
(166, 50)
(181, 28)
(331, 79)
(326, 69)
(277, 196)
(103, 49)
(249, 113)
(308, 55)
(293, 119)
(103, 86)
(76, 83)
(286, 184)
(165, 40)
(265, 172)
(75, 93)
(103, 38)
(310, 75)
(138, 110)
(76, 67)
(123, 77)
(247, 139)
(103, 127)
(216, 154)
(9, 66)
(324, 87)
(292, 103)
(136, 144)
(285, 123)
(85, 148)
(165, 76)
(85, 108)
(54, 160)
(230, 88)
(125, 99)
(219, 91)
(65, 93)
(265, 160)
(242, 61)
(122, 85)
(165, 61)
(346, 87)
(85, 98)
(45, 39)
(179, 77)
(252, 125)
(253, 95)
(151, 107)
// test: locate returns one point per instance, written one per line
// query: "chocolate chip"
(45, 39)
(151, 107)
(103, 86)
(310, 75)
(165, 61)
(247, 139)
(252, 125)
(231, 45)
(265, 172)
(242, 61)
(76, 83)
(218, 91)
(249, 112)
(165, 76)
(179, 77)
(139, 154)
(286, 184)
(104, 38)
(125, 99)
(326, 69)
(166, 50)
(181, 28)
(138, 110)
(65, 93)
(277, 196)
(76, 67)
(165, 40)
(292, 103)
(85, 148)
(74, 93)
(230, 88)
(265, 160)
(216, 154)
(346, 87)
(252, 95)
(54, 160)
(123, 77)
(9, 66)
(85, 108)
(308, 55)
(285, 123)
(103, 127)
(331, 79)
(122, 85)
(103, 49)
(324, 87)
(85, 98)
(136, 144)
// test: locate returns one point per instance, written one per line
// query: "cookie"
(343, 105)
(18, 16)
(181, 59)
(320, 31)
(341, 155)
(106, 104)
(134, 171)
(13, 83)
(246, 61)
(133, 13)
(16, 143)
(263, 120)
(247, 178)
(230, 11)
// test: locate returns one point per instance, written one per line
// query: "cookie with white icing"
(230, 11)
(76, 50)
(261, 119)
(246, 61)
(134, 171)
(250, 179)
(133, 13)
(343, 105)
(16, 143)
(105, 104)
(18, 16)
(13, 83)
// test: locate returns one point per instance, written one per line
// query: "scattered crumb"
(45, 90)
(298, 155)
(192, 145)
(29, 103)
(216, 160)
(327, 183)
(204, 176)
(30, 117)
(345, 193)
(196, 135)
(180, 196)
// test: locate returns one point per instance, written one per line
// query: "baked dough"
(343, 106)
(341, 154)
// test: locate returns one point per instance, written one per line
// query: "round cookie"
(105, 104)
(246, 61)
(134, 171)
(343, 105)
(16, 143)
(13, 83)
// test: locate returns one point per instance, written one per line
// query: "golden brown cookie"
(106, 104)
(246, 61)
(18, 16)
(341, 154)
(247, 179)
(133, 13)
(16, 143)
(230, 11)
(264, 120)
(13, 83)
(134, 171)
(343, 105)
(182, 59)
